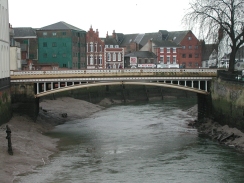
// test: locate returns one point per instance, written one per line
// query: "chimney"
(150, 45)
(107, 34)
(114, 34)
(97, 32)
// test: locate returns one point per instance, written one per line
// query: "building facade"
(62, 43)
(95, 50)
(113, 54)
(5, 99)
(27, 38)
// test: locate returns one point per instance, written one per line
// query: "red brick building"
(190, 53)
(95, 50)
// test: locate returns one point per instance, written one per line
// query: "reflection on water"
(138, 143)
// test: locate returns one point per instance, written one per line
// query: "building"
(184, 43)
(113, 54)
(27, 38)
(140, 59)
(95, 50)
(5, 100)
(62, 43)
(209, 55)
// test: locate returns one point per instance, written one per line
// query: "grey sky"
(128, 16)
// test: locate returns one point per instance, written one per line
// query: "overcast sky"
(127, 16)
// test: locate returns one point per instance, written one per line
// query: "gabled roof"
(110, 41)
(24, 32)
(142, 39)
(60, 26)
(128, 38)
(177, 36)
(141, 54)
(165, 44)
(207, 50)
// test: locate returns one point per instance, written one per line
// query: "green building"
(62, 43)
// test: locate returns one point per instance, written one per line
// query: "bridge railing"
(110, 71)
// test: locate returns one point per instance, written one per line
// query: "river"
(138, 143)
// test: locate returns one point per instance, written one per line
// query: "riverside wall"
(23, 100)
(227, 103)
(5, 106)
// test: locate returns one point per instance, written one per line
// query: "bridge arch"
(73, 86)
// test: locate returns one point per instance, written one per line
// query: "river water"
(138, 143)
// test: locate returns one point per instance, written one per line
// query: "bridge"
(49, 82)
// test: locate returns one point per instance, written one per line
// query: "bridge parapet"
(114, 72)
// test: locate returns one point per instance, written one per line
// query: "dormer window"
(111, 46)
(54, 33)
(106, 46)
(116, 46)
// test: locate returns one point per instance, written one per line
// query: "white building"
(4, 44)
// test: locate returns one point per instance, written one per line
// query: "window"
(196, 64)
(64, 54)
(64, 33)
(44, 44)
(189, 38)
(174, 60)
(183, 47)
(168, 50)
(44, 55)
(106, 46)
(190, 47)
(168, 59)
(114, 56)
(108, 56)
(174, 50)
(91, 47)
(196, 55)
(145, 61)
(64, 65)
(54, 33)
(96, 47)
(54, 44)
(111, 46)
(116, 46)
(161, 59)
(183, 55)
(196, 47)
(100, 59)
(190, 55)
(44, 33)
(54, 55)
(119, 56)
(101, 48)
(161, 50)
(91, 60)
(190, 64)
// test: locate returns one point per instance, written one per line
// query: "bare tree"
(217, 19)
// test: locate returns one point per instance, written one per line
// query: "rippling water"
(146, 142)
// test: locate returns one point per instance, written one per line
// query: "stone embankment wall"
(23, 100)
(5, 106)
(228, 103)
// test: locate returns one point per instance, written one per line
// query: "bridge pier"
(23, 99)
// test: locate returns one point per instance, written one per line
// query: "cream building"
(4, 43)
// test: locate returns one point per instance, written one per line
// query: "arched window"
(114, 56)
(91, 47)
(100, 60)
(119, 56)
(91, 60)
